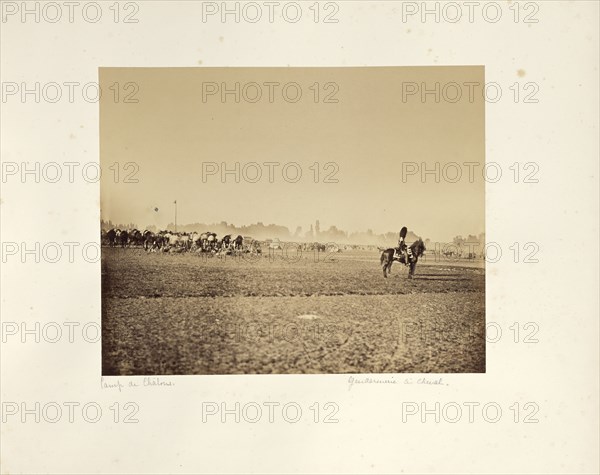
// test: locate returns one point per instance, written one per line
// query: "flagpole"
(175, 215)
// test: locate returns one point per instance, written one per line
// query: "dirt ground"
(314, 313)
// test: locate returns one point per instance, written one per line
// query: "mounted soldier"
(407, 255)
(403, 253)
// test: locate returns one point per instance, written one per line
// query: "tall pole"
(175, 215)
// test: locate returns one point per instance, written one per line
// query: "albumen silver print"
(293, 220)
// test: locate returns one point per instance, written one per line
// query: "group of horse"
(173, 241)
(170, 241)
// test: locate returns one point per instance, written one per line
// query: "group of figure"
(174, 241)
(209, 242)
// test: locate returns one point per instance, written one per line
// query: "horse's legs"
(388, 265)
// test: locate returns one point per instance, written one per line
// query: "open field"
(316, 313)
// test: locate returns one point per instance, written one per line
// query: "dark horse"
(416, 250)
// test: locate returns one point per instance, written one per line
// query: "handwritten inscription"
(362, 380)
(134, 383)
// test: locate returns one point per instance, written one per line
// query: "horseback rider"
(403, 250)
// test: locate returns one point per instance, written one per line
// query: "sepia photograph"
(293, 220)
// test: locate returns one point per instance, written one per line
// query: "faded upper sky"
(181, 122)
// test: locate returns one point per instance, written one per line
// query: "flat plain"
(191, 313)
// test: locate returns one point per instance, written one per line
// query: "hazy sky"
(369, 133)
